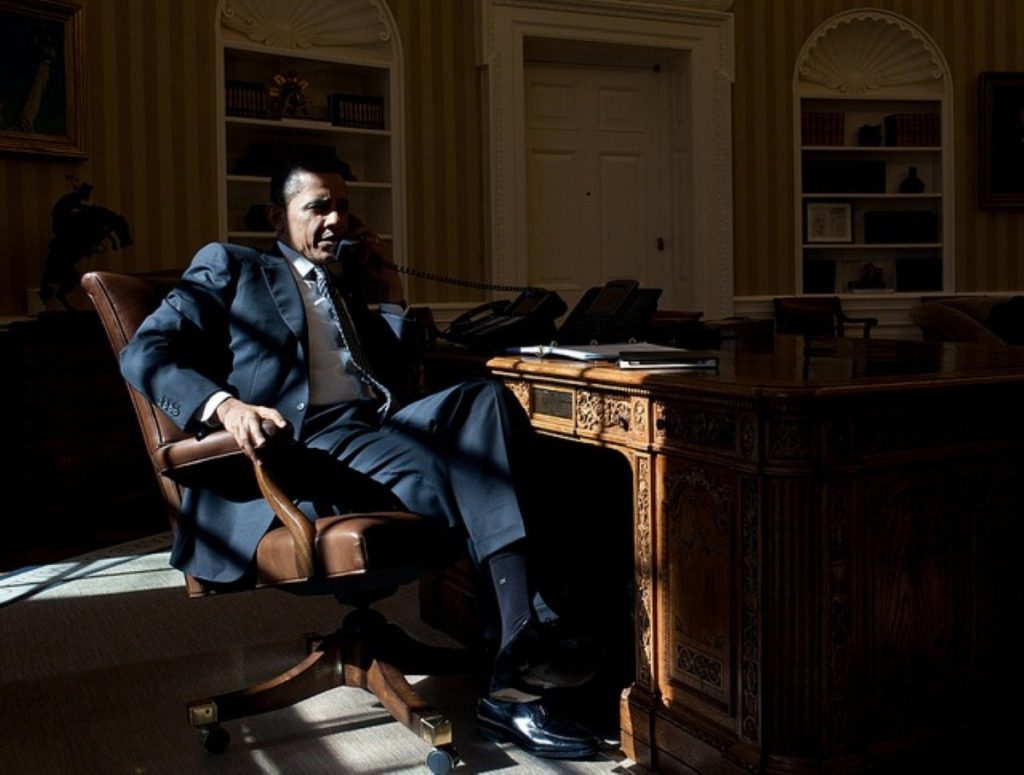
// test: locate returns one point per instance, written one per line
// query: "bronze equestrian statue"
(79, 230)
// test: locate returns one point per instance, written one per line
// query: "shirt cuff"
(210, 407)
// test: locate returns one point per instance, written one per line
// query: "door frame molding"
(701, 32)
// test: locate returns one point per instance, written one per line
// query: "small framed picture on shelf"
(829, 222)
(1001, 139)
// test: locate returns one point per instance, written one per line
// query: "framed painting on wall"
(41, 78)
(1001, 139)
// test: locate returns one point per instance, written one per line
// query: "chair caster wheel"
(214, 738)
(442, 760)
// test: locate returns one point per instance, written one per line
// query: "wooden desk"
(826, 548)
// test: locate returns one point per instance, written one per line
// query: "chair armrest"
(302, 531)
(867, 322)
(178, 457)
(945, 322)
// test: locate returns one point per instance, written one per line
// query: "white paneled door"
(599, 206)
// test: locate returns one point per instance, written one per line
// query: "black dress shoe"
(538, 658)
(531, 726)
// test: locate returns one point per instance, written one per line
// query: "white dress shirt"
(332, 377)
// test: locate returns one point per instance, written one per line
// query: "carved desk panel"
(825, 543)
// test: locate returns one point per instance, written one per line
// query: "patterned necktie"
(338, 310)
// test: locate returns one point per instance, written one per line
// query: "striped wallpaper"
(150, 126)
(444, 166)
(974, 36)
(149, 105)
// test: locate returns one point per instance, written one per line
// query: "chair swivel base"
(351, 656)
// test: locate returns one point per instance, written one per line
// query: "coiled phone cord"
(477, 284)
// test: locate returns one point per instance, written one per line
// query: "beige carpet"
(99, 655)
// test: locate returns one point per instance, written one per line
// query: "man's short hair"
(281, 182)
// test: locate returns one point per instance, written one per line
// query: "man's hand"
(381, 282)
(245, 423)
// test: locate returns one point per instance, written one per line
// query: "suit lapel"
(281, 285)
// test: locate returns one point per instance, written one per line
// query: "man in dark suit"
(249, 338)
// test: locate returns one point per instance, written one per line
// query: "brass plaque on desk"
(553, 403)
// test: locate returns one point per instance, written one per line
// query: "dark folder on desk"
(666, 359)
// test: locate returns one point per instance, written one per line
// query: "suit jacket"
(236, 322)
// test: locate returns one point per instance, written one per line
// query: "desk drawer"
(713, 426)
(604, 415)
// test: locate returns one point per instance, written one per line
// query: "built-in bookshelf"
(873, 160)
(332, 87)
(871, 195)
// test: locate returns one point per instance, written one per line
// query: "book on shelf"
(245, 99)
(910, 129)
(359, 111)
(819, 127)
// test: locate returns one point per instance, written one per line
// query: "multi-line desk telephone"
(614, 312)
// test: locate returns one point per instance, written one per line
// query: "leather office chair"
(816, 316)
(358, 557)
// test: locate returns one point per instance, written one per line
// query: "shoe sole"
(535, 682)
(497, 734)
(513, 694)
(543, 676)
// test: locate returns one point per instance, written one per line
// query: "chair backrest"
(965, 319)
(809, 316)
(123, 301)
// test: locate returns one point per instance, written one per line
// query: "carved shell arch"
(859, 52)
(309, 24)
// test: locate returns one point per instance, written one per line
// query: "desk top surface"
(801, 364)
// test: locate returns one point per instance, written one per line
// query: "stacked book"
(822, 128)
(904, 129)
(247, 99)
(361, 111)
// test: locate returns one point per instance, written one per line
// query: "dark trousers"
(451, 454)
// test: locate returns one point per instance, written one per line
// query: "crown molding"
(308, 24)
(866, 51)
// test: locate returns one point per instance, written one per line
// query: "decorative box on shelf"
(841, 176)
(901, 226)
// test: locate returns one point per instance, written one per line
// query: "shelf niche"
(871, 100)
(349, 55)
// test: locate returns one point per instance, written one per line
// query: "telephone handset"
(527, 319)
(615, 312)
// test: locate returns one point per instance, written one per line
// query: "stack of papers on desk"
(583, 352)
(628, 355)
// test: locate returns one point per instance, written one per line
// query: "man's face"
(315, 216)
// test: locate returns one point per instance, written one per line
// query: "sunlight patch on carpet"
(130, 567)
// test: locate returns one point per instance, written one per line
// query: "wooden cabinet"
(326, 81)
(76, 476)
(873, 178)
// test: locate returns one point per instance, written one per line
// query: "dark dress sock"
(508, 575)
